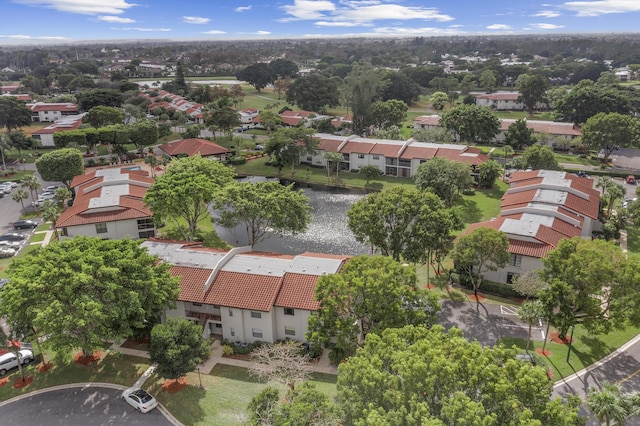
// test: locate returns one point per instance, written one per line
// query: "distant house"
(41, 111)
(248, 115)
(243, 295)
(393, 158)
(540, 208)
(194, 146)
(7, 89)
(294, 118)
(164, 99)
(109, 204)
(45, 135)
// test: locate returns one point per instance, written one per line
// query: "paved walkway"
(47, 238)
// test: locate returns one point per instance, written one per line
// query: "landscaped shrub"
(91, 162)
(469, 192)
(227, 350)
(237, 160)
(487, 287)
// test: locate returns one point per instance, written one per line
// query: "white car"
(10, 244)
(139, 399)
(12, 184)
(7, 252)
(10, 360)
(6, 189)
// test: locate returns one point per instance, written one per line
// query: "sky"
(62, 21)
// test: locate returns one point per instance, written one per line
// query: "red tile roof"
(243, 291)
(80, 214)
(360, 147)
(527, 248)
(41, 106)
(192, 282)
(193, 147)
(330, 145)
(298, 292)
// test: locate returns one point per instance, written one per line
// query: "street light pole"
(199, 378)
(573, 327)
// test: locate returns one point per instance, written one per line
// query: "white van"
(10, 360)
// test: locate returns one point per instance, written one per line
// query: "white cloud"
(547, 14)
(242, 8)
(262, 32)
(214, 32)
(195, 20)
(28, 37)
(544, 26)
(142, 29)
(85, 7)
(498, 27)
(357, 13)
(340, 24)
(601, 7)
(117, 19)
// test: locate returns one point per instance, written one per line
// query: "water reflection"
(327, 233)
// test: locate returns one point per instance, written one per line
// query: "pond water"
(327, 233)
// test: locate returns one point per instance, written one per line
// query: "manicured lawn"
(633, 240)
(113, 368)
(205, 225)
(484, 205)
(226, 394)
(586, 349)
(575, 159)
(36, 238)
(17, 176)
(4, 263)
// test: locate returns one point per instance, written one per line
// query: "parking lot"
(485, 322)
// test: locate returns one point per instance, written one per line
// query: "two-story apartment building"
(109, 204)
(243, 295)
(540, 208)
(393, 158)
(45, 135)
(41, 111)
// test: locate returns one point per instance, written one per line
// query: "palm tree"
(609, 405)
(50, 213)
(153, 162)
(530, 312)
(19, 196)
(32, 183)
(335, 158)
(612, 190)
(62, 194)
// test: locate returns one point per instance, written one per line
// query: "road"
(80, 405)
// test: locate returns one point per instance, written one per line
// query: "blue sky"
(59, 21)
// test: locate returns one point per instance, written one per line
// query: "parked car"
(6, 189)
(12, 236)
(7, 252)
(139, 399)
(10, 360)
(12, 244)
(51, 188)
(12, 184)
(526, 358)
(631, 179)
(24, 224)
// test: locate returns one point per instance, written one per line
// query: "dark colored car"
(24, 224)
(12, 236)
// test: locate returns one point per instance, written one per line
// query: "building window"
(256, 314)
(309, 158)
(511, 277)
(196, 304)
(516, 260)
(289, 311)
(147, 234)
(256, 332)
(232, 331)
(101, 228)
(360, 155)
(230, 312)
(376, 157)
(145, 223)
(289, 331)
(65, 233)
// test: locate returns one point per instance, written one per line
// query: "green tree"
(588, 99)
(398, 86)
(361, 87)
(437, 378)
(591, 283)
(19, 196)
(389, 113)
(537, 157)
(434, 134)
(313, 93)
(269, 120)
(471, 123)
(612, 191)
(443, 177)
(488, 172)
(406, 224)
(13, 113)
(284, 68)
(484, 249)
(88, 99)
(263, 208)
(100, 116)
(608, 131)
(61, 195)
(32, 183)
(286, 146)
(518, 136)
(529, 284)
(143, 133)
(610, 405)
(183, 192)
(220, 115)
(488, 80)
(153, 162)
(530, 312)
(83, 291)
(61, 165)
(333, 161)
(263, 407)
(370, 172)
(51, 213)
(369, 294)
(533, 89)
(19, 141)
(177, 347)
(259, 75)
(306, 406)
(438, 100)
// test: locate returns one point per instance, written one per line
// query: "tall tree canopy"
(399, 86)
(608, 131)
(13, 113)
(587, 99)
(259, 75)
(61, 165)
(518, 135)
(220, 115)
(284, 68)
(405, 224)
(286, 146)
(471, 123)
(593, 283)
(100, 116)
(413, 375)
(533, 89)
(315, 93)
(83, 291)
(389, 113)
(263, 207)
(537, 157)
(184, 191)
(443, 177)
(88, 99)
(369, 294)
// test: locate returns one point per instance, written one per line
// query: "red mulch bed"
(86, 360)
(3, 351)
(555, 338)
(4, 381)
(429, 286)
(546, 352)
(476, 299)
(19, 383)
(173, 386)
(46, 367)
